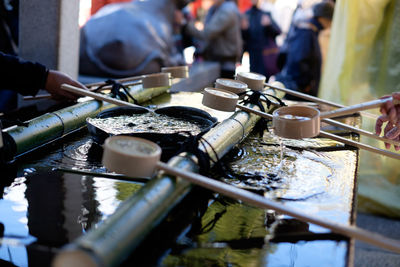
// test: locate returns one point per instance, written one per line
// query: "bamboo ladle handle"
(124, 80)
(259, 113)
(358, 107)
(108, 87)
(361, 131)
(339, 138)
(262, 202)
(304, 96)
(83, 92)
(313, 98)
(360, 145)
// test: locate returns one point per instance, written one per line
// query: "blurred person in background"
(221, 36)
(181, 38)
(301, 69)
(259, 31)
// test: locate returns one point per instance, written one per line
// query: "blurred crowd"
(280, 38)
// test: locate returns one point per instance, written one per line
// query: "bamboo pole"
(262, 202)
(356, 108)
(361, 131)
(360, 145)
(51, 126)
(83, 92)
(123, 80)
(127, 82)
(304, 96)
(314, 99)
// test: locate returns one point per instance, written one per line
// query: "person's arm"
(391, 115)
(26, 78)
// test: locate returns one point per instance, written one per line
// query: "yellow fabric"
(363, 63)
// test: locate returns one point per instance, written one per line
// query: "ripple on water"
(302, 174)
(84, 155)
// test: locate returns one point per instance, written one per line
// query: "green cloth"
(363, 63)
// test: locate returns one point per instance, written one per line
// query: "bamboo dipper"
(297, 121)
(148, 81)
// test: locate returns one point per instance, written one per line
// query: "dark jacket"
(221, 34)
(259, 41)
(22, 76)
(302, 68)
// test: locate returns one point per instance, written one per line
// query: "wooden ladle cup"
(303, 121)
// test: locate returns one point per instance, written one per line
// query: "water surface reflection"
(44, 209)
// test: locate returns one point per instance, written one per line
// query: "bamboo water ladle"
(151, 80)
(129, 81)
(304, 121)
(176, 72)
(148, 81)
(135, 157)
(256, 82)
(313, 98)
(300, 121)
(97, 96)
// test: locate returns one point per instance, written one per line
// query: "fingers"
(379, 122)
(396, 95)
(390, 114)
(394, 134)
(53, 85)
(387, 129)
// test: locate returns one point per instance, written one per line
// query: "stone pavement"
(367, 255)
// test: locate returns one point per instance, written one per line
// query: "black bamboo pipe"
(51, 126)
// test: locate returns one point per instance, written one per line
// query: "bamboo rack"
(51, 126)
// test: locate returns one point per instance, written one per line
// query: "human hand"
(53, 85)
(391, 115)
